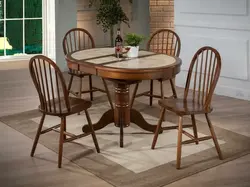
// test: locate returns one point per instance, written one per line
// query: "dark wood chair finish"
(163, 41)
(55, 100)
(203, 74)
(78, 39)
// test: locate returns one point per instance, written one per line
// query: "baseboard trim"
(238, 93)
(233, 92)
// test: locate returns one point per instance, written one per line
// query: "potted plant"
(133, 41)
(109, 14)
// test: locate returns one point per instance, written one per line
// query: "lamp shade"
(7, 45)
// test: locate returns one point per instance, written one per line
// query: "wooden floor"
(18, 169)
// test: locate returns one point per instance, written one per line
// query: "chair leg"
(158, 128)
(133, 95)
(61, 140)
(80, 91)
(214, 137)
(121, 135)
(195, 129)
(108, 93)
(64, 129)
(70, 82)
(179, 143)
(173, 88)
(151, 92)
(93, 132)
(162, 94)
(37, 136)
(90, 87)
(162, 89)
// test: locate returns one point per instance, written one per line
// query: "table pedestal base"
(122, 114)
(108, 118)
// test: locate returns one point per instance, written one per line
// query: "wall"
(65, 20)
(161, 14)
(138, 14)
(86, 18)
(224, 25)
(140, 18)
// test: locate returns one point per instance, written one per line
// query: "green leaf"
(109, 13)
(133, 39)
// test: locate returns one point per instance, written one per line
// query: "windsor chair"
(163, 41)
(204, 72)
(55, 101)
(78, 39)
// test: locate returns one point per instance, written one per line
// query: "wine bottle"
(118, 44)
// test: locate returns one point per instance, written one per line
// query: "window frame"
(48, 30)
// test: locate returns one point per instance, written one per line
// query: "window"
(21, 27)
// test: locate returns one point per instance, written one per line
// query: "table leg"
(107, 118)
(139, 120)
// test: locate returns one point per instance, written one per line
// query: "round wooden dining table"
(123, 72)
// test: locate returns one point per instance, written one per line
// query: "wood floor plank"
(18, 169)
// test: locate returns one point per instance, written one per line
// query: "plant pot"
(133, 51)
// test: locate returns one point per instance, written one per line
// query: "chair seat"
(76, 105)
(183, 107)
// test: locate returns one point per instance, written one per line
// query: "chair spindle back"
(77, 39)
(165, 41)
(204, 72)
(50, 85)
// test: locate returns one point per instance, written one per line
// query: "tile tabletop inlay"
(145, 62)
(106, 57)
(92, 53)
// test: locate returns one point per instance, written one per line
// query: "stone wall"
(161, 14)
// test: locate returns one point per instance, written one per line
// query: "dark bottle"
(118, 44)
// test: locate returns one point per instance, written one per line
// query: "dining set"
(159, 62)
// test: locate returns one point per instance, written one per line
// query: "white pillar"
(49, 40)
